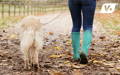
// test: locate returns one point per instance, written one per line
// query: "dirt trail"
(55, 58)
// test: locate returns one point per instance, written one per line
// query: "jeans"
(82, 13)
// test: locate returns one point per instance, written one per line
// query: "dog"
(31, 41)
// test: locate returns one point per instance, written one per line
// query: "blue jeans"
(87, 7)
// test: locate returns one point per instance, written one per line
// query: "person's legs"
(75, 11)
(88, 11)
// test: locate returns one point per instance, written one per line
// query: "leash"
(53, 19)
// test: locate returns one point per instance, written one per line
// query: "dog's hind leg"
(26, 57)
(26, 42)
(34, 57)
(38, 46)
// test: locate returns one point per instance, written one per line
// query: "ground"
(56, 57)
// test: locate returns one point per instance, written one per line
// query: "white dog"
(31, 40)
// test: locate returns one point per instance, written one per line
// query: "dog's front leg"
(26, 59)
(35, 64)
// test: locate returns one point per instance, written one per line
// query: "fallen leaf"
(66, 62)
(77, 72)
(102, 37)
(12, 36)
(118, 60)
(58, 73)
(114, 71)
(118, 68)
(110, 64)
(78, 66)
(54, 72)
(4, 31)
(68, 42)
(3, 64)
(50, 33)
(1, 35)
(56, 56)
(117, 32)
(97, 62)
(57, 48)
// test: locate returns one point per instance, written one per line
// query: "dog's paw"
(35, 67)
(27, 67)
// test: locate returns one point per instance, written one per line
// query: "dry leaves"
(77, 72)
(102, 37)
(97, 62)
(54, 72)
(78, 66)
(118, 67)
(109, 64)
(56, 56)
(57, 48)
(12, 36)
(50, 33)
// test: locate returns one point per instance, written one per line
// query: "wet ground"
(56, 57)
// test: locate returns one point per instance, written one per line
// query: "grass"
(110, 21)
(7, 21)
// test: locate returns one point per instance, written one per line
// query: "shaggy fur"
(31, 40)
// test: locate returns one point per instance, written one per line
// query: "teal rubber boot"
(76, 45)
(87, 38)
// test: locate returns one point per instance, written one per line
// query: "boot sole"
(83, 58)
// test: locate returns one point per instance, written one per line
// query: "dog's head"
(30, 22)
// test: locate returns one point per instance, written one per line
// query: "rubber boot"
(76, 45)
(87, 38)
